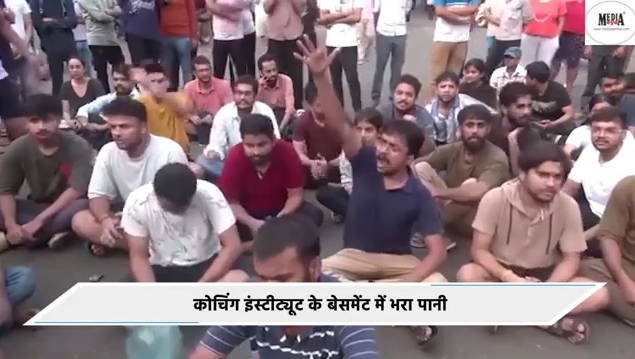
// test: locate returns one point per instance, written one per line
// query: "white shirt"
(597, 178)
(225, 132)
(392, 17)
(116, 175)
(500, 77)
(447, 32)
(341, 35)
(179, 239)
(580, 137)
(19, 8)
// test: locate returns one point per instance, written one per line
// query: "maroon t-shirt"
(319, 141)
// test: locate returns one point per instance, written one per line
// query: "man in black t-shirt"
(551, 104)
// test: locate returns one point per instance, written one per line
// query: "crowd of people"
(496, 153)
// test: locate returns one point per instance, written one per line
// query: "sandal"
(97, 250)
(578, 331)
(425, 335)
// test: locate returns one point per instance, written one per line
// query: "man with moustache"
(263, 178)
(472, 167)
(276, 90)
(611, 85)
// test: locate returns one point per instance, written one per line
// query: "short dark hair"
(175, 183)
(447, 76)
(370, 115)
(614, 74)
(476, 63)
(527, 137)
(599, 98)
(81, 61)
(475, 112)
(609, 114)
(541, 152)
(539, 71)
(266, 57)
(410, 80)
(256, 124)
(511, 92)
(201, 60)
(290, 231)
(310, 93)
(42, 106)
(125, 106)
(122, 69)
(409, 131)
(153, 68)
(246, 80)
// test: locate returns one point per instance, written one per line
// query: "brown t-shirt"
(489, 166)
(319, 141)
(525, 238)
(46, 176)
(618, 219)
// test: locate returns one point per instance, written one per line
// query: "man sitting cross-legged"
(472, 167)
(263, 178)
(527, 230)
(387, 203)
(56, 167)
(127, 163)
(187, 229)
(616, 233)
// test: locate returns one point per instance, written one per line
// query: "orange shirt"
(178, 19)
(164, 122)
(545, 18)
(212, 99)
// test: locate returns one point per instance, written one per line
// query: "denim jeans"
(211, 167)
(393, 47)
(19, 283)
(83, 52)
(177, 49)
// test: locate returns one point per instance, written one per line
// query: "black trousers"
(496, 54)
(289, 65)
(102, 56)
(599, 65)
(249, 48)
(142, 49)
(313, 37)
(307, 209)
(334, 198)
(224, 50)
(56, 56)
(346, 64)
(589, 220)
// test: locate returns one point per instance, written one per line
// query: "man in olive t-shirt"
(56, 167)
(472, 167)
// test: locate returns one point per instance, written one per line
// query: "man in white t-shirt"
(127, 163)
(451, 35)
(188, 230)
(23, 26)
(340, 18)
(599, 168)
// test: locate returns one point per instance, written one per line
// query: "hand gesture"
(316, 59)
(195, 120)
(16, 234)
(410, 118)
(110, 232)
(31, 228)
(318, 168)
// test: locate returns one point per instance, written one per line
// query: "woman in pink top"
(541, 37)
(571, 43)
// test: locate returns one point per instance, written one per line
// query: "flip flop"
(59, 240)
(573, 333)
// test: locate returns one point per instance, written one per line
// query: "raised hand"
(316, 59)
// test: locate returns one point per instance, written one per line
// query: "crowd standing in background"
(492, 151)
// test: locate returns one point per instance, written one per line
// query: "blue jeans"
(177, 50)
(19, 282)
(211, 167)
(83, 52)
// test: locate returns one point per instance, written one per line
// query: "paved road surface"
(58, 271)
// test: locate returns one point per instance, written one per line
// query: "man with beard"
(404, 107)
(225, 132)
(263, 178)
(598, 169)
(276, 90)
(193, 214)
(127, 163)
(208, 94)
(528, 230)
(611, 85)
(287, 250)
(55, 166)
(472, 167)
(387, 203)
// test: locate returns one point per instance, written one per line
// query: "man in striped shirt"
(287, 249)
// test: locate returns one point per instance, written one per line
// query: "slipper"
(59, 240)
(572, 334)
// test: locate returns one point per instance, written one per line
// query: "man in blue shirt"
(287, 249)
(388, 205)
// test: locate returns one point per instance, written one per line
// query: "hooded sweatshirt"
(526, 237)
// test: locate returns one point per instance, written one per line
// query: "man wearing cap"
(510, 72)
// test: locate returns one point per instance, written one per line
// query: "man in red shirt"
(178, 25)
(263, 178)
